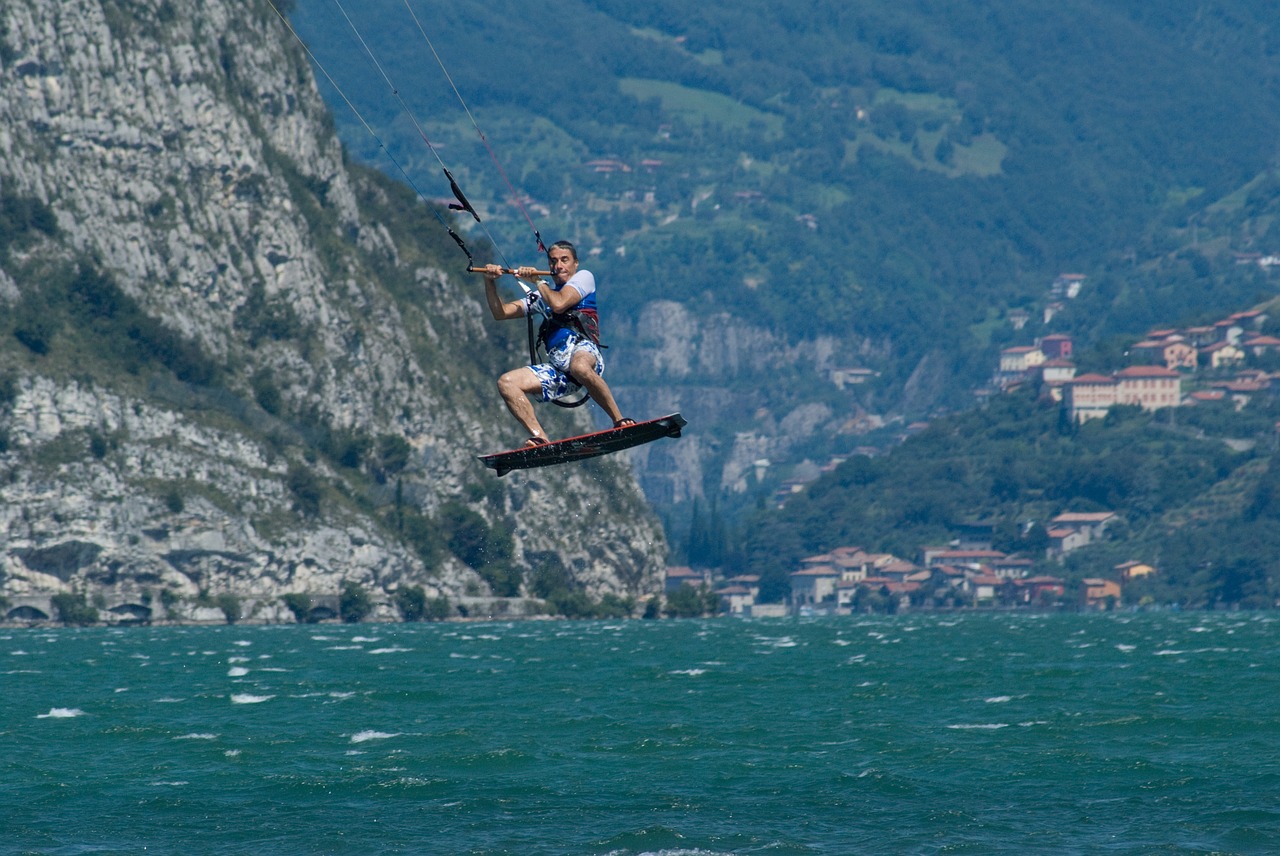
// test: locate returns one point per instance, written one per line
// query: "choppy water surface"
(1127, 734)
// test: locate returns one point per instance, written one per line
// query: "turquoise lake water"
(975, 733)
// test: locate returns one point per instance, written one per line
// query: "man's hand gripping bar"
(512, 271)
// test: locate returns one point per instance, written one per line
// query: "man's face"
(563, 264)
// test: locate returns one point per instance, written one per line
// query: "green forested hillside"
(950, 160)
(900, 176)
(1193, 498)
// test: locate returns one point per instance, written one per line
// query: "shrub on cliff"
(73, 609)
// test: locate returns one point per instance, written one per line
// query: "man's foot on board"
(534, 442)
(624, 422)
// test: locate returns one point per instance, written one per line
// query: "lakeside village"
(849, 580)
(1173, 367)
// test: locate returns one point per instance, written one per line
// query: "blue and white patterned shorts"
(554, 375)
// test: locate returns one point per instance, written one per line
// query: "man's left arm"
(563, 300)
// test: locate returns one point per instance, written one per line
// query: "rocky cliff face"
(229, 367)
(679, 360)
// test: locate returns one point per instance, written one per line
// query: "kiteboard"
(585, 446)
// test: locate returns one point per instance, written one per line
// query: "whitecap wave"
(246, 698)
(61, 713)
(979, 726)
(237, 672)
(390, 650)
(201, 735)
(365, 736)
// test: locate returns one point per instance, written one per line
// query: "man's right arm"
(500, 310)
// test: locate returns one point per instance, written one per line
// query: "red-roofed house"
(1090, 396)
(1057, 371)
(1092, 523)
(1056, 346)
(1012, 567)
(739, 593)
(1173, 352)
(1019, 359)
(1149, 387)
(736, 600)
(1260, 345)
(897, 570)
(1207, 395)
(1063, 540)
(814, 585)
(1248, 318)
(1098, 593)
(1041, 590)
(677, 576)
(1055, 374)
(1222, 355)
(1201, 336)
(846, 594)
(1133, 570)
(1242, 389)
(985, 588)
(1147, 352)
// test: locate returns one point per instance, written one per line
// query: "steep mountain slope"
(232, 363)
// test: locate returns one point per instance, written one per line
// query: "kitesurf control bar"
(512, 271)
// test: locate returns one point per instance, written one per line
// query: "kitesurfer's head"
(563, 260)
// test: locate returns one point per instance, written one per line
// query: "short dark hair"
(565, 245)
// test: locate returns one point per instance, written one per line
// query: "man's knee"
(583, 365)
(511, 384)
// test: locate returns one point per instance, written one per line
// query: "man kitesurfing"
(570, 335)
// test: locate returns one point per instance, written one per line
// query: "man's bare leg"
(582, 366)
(515, 387)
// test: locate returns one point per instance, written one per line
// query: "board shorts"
(554, 374)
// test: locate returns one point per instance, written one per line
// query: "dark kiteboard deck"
(587, 446)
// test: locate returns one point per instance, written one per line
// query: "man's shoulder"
(584, 280)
